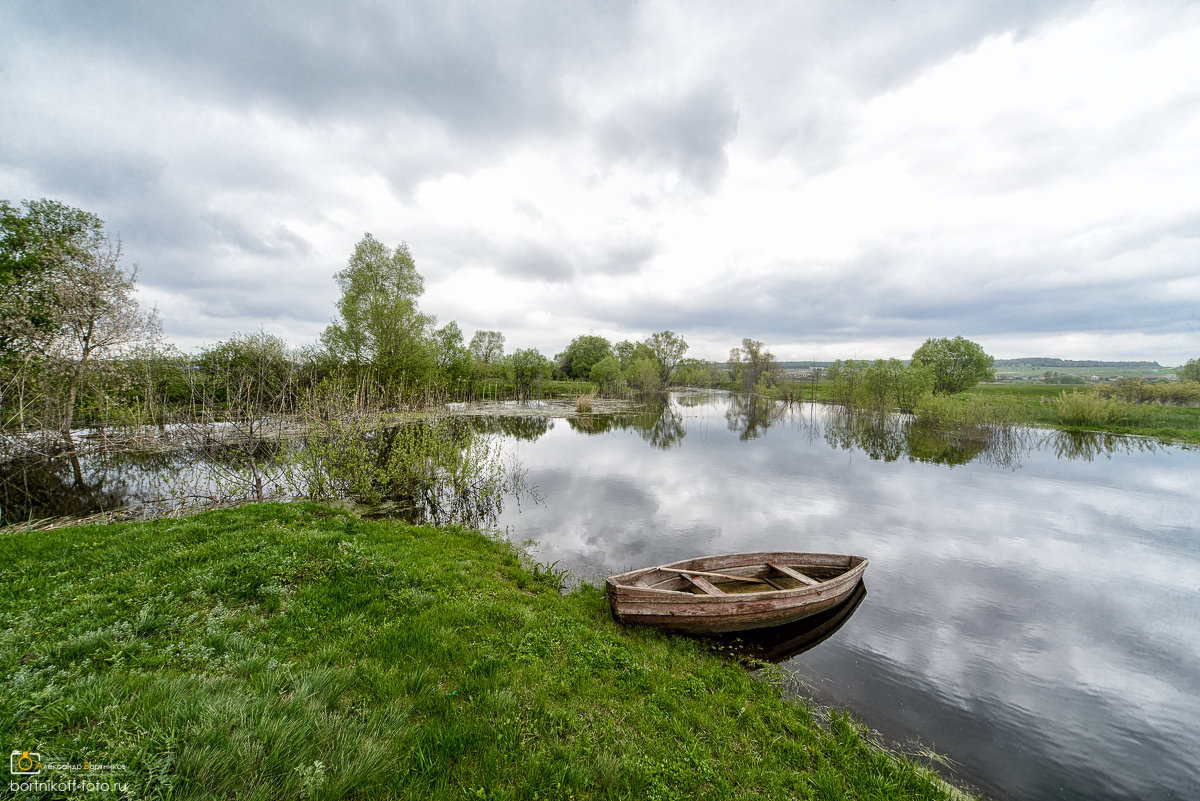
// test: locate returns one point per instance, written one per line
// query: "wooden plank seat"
(703, 584)
(790, 573)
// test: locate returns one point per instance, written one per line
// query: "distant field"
(1026, 371)
(1009, 369)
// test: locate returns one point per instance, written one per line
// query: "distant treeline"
(806, 365)
(1046, 362)
(1000, 363)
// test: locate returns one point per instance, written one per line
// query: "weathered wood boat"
(780, 643)
(734, 592)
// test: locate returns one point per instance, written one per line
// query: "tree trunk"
(69, 412)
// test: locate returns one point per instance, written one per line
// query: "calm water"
(1033, 608)
(1033, 601)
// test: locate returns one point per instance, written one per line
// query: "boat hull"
(649, 597)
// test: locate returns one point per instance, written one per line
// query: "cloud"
(685, 134)
(795, 173)
(479, 70)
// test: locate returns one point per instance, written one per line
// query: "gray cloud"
(477, 69)
(873, 298)
(241, 148)
(542, 261)
(537, 261)
(624, 258)
(687, 133)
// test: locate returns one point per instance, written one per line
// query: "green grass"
(1037, 404)
(294, 651)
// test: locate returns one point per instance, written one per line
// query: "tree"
(624, 352)
(35, 246)
(643, 374)
(65, 294)
(527, 369)
(487, 347)
(890, 384)
(96, 315)
(668, 349)
(250, 371)
(380, 324)
(957, 364)
(845, 382)
(582, 354)
(607, 374)
(1190, 371)
(752, 363)
(451, 356)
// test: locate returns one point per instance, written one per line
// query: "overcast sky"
(836, 179)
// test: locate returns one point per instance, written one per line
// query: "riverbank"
(1039, 405)
(294, 650)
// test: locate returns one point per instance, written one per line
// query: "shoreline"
(415, 661)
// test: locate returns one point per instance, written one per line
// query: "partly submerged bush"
(442, 470)
(881, 386)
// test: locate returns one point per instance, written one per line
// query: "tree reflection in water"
(658, 422)
(527, 429)
(892, 436)
(751, 415)
(65, 486)
(1087, 445)
(153, 482)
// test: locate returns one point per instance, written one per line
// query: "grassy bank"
(1040, 405)
(293, 651)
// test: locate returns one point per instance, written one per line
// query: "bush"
(439, 470)
(1137, 390)
(943, 412)
(1085, 409)
(882, 386)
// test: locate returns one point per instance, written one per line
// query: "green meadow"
(296, 651)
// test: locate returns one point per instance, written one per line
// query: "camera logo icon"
(25, 763)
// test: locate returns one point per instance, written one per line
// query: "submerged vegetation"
(294, 651)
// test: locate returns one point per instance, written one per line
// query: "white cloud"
(834, 184)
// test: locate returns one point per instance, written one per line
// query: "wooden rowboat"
(781, 643)
(734, 592)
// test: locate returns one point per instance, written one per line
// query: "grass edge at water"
(293, 650)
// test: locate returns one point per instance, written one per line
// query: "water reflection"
(658, 422)
(1088, 445)
(887, 438)
(32, 489)
(1039, 626)
(527, 429)
(211, 470)
(781, 643)
(751, 415)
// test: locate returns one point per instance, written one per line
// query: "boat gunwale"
(620, 582)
